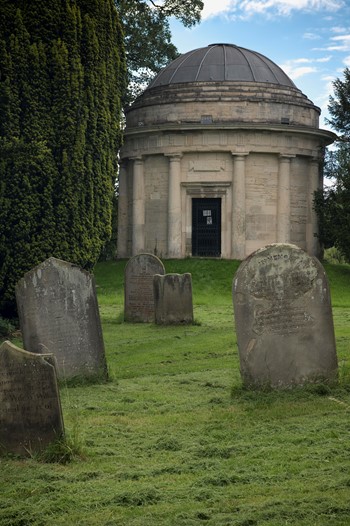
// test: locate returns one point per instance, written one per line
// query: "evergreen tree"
(333, 204)
(62, 77)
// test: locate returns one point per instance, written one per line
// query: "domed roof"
(219, 63)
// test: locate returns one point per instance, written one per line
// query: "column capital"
(174, 156)
(285, 157)
(137, 159)
(239, 154)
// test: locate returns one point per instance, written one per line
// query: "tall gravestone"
(173, 299)
(58, 313)
(138, 287)
(283, 318)
(30, 408)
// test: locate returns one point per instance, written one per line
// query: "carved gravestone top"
(58, 313)
(283, 318)
(138, 287)
(173, 299)
(30, 409)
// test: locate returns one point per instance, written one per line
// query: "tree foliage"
(148, 38)
(333, 204)
(339, 107)
(62, 76)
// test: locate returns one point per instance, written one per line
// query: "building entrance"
(206, 227)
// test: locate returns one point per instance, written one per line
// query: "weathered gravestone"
(173, 299)
(58, 313)
(138, 287)
(283, 319)
(30, 409)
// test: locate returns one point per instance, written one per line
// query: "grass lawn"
(173, 440)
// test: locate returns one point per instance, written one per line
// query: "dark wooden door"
(206, 227)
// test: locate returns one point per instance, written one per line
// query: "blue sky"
(309, 39)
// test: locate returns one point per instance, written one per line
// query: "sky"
(308, 39)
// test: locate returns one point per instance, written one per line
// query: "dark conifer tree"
(62, 76)
(333, 204)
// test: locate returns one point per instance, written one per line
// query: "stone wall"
(256, 146)
(232, 102)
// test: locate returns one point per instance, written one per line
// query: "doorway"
(206, 227)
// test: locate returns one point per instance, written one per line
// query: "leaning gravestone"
(138, 287)
(283, 319)
(173, 299)
(30, 409)
(58, 313)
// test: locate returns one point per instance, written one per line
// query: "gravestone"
(138, 287)
(30, 408)
(173, 299)
(58, 313)
(283, 318)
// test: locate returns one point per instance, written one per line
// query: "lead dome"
(221, 63)
(222, 155)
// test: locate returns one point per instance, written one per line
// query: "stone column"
(174, 206)
(312, 242)
(138, 207)
(238, 206)
(122, 241)
(226, 203)
(283, 200)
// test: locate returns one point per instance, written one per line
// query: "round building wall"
(219, 169)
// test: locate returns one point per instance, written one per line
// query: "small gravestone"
(58, 313)
(173, 299)
(138, 287)
(30, 409)
(283, 319)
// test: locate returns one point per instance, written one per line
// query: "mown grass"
(173, 440)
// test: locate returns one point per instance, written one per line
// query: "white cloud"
(268, 7)
(338, 29)
(301, 61)
(311, 36)
(285, 7)
(217, 7)
(299, 67)
(347, 61)
(336, 48)
(343, 38)
(341, 43)
(324, 59)
(294, 71)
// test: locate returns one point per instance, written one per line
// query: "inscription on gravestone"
(138, 287)
(283, 318)
(30, 409)
(58, 313)
(173, 299)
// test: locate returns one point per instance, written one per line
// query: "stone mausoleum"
(222, 155)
